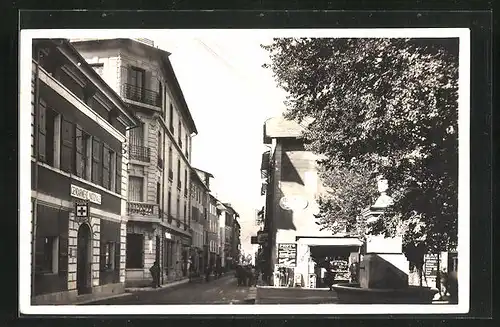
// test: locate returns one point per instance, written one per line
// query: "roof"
(85, 68)
(203, 172)
(280, 127)
(198, 179)
(162, 57)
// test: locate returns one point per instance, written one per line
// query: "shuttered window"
(42, 131)
(67, 143)
(82, 140)
(118, 180)
(96, 161)
(106, 167)
(135, 188)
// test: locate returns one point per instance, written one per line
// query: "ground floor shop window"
(135, 251)
(108, 255)
(47, 254)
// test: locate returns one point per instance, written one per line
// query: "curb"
(103, 298)
(151, 289)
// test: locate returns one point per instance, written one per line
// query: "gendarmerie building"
(79, 178)
(159, 150)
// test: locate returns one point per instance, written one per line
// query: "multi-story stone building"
(230, 216)
(236, 241)
(207, 238)
(213, 227)
(159, 150)
(78, 135)
(199, 202)
(221, 236)
(292, 186)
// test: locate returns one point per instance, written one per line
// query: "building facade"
(291, 188)
(230, 220)
(159, 152)
(199, 203)
(221, 235)
(213, 227)
(78, 134)
(205, 177)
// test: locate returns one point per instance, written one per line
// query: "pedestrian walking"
(155, 274)
(207, 273)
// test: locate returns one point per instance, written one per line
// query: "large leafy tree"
(390, 106)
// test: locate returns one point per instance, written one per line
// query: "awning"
(335, 241)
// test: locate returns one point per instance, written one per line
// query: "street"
(220, 291)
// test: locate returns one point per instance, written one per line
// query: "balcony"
(142, 208)
(160, 163)
(141, 94)
(140, 153)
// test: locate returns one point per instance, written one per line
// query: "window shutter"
(63, 255)
(67, 130)
(102, 256)
(148, 79)
(42, 130)
(106, 160)
(79, 152)
(96, 161)
(117, 263)
(118, 181)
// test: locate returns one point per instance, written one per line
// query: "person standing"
(155, 274)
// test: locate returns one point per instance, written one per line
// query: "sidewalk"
(150, 288)
(175, 283)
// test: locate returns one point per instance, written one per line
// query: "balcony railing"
(170, 175)
(140, 153)
(141, 94)
(141, 208)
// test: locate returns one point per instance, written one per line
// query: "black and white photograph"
(244, 171)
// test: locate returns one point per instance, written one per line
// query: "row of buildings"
(113, 188)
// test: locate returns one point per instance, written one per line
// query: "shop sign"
(168, 236)
(81, 193)
(82, 212)
(287, 254)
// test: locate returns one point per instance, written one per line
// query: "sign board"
(262, 237)
(287, 254)
(430, 265)
(254, 240)
(81, 193)
(168, 236)
(82, 211)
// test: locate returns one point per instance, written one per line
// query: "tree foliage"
(387, 105)
(349, 191)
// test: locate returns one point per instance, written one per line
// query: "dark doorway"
(84, 264)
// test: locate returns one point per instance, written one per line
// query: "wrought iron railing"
(141, 153)
(141, 208)
(141, 94)
(170, 175)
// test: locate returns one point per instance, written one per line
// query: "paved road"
(221, 291)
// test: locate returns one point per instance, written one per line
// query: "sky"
(230, 96)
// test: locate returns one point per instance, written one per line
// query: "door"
(84, 263)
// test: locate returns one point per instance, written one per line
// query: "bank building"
(78, 176)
